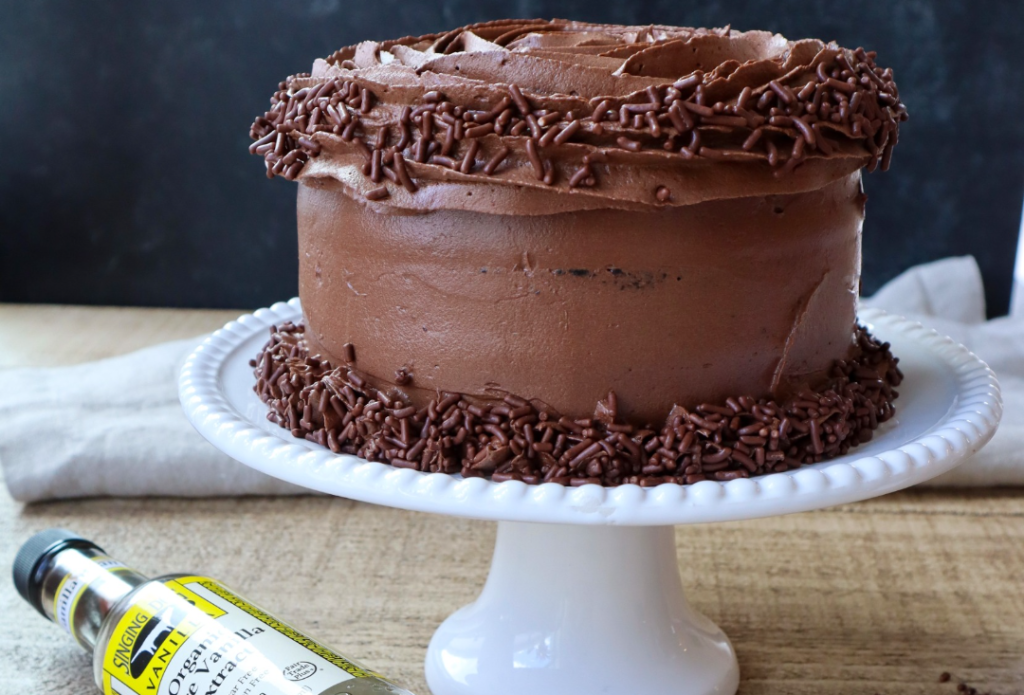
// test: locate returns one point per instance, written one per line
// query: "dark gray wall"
(124, 177)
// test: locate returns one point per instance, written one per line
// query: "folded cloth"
(949, 296)
(115, 427)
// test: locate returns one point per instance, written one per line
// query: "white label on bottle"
(86, 572)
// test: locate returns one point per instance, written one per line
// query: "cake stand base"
(581, 610)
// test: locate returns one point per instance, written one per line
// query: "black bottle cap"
(28, 563)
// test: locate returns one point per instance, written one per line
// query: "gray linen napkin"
(113, 428)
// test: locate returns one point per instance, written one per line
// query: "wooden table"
(880, 596)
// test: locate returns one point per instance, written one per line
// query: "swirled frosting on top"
(537, 116)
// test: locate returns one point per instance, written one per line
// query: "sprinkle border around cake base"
(511, 438)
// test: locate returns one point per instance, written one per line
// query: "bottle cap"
(29, 560)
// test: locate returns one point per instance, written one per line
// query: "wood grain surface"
(41, 335)
(876, 597)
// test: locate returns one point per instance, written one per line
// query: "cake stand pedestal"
(581, 609)
(584, 595)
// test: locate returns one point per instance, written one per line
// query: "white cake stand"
(584, 594)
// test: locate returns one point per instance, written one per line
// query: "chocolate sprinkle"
(961, 685)
(377, 193)
(850, 96)
(510, 438)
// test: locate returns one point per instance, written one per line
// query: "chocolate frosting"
(538, 117)
(676, 305)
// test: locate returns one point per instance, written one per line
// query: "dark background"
(124, 175)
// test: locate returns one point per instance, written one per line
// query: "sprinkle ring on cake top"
(582, 107)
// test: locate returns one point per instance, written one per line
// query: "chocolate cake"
(557, 251)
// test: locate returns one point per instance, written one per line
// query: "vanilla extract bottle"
(178, 634)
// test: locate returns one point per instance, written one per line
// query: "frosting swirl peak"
(558, 115)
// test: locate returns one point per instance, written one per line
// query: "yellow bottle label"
(193, 636)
